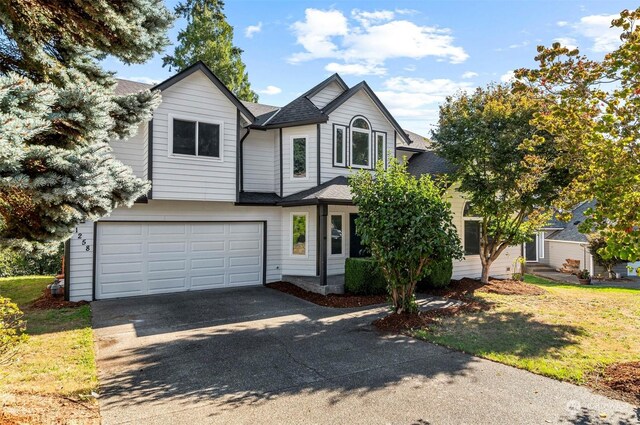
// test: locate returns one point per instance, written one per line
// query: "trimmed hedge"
(439, 274)
(362, 276)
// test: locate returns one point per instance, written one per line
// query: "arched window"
(471, 236)
(360, 145)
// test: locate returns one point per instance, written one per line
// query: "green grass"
(568, 333)
(58, 358)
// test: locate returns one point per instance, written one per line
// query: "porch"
(334, 284)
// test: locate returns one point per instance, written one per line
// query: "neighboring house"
(245, 194)
(559, 241)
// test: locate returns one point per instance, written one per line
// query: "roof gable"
(200, 66)
(335, 78)
(363, 86)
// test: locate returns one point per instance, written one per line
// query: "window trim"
(464, 220)
(385, 153)
(342, 217)
(344, 162)
(306, 234)
(359, 130)
(306, 157)
(196, 120)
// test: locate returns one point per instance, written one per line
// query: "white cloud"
(469, 74)
(410, 68)
(328, 34)
(562, 23)
(368, 18)
(568, 42)
(315, 34)
(271, 90)
(144, 80)
(597, 28)
(507, 77)
(518, 45)
(251, 30)
(356, 68)
(417, 99)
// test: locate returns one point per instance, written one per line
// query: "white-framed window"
(191, 137)
(360, 143)
(381, 146)
(299, 157)
(299, 233)
(336, 234)
(339, 145)
(471, 230)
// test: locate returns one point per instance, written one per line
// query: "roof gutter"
(409, 149)
(242, 159)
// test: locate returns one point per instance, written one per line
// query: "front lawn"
(57, 362)
(570, 333)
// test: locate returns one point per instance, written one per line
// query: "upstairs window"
(339, 145)
(299, 157)
(360, 143)
(381, 147)
(195, 138)
(471, 230)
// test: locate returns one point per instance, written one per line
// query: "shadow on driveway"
(259, 356)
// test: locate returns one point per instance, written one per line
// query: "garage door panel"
(244, 278)
(167, 247)
(167, 283)
(113, 231)
(167, 229)
(149, 258)
(121, 267)
(237, 245)
(122, 289)
(208, 282)
(208, 263)
(201, 230)
(121, 248)
(209, 246)
(167, 265)
(247, 228)
(249, 260)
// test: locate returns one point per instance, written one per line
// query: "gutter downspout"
(242, 159)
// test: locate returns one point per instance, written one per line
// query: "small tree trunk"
(486, 265)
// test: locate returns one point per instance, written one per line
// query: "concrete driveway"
(257, 356)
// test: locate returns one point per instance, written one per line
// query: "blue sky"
(412, 53)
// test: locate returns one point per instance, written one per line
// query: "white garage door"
(150, 258)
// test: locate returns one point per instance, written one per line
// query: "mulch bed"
(48, 302)
(331, 300)
(624, 379)
(23, 408)
(406, 323)
(465, 288)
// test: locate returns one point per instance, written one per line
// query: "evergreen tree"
(58, 112)
(208, 37)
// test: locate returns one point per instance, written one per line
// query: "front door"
(531, 250)
(355, 246)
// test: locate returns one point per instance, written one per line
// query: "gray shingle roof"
(336, 189)
(429, 163)
(128, 87)
(418, 141)
(300, 110)
(261, 112)
(570, 231)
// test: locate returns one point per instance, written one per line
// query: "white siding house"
(242, 193)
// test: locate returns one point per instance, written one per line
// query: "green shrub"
(362, 276)
(16, 264)
(438, 275)
(12, 329)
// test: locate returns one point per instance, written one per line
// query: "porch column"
(323, 210)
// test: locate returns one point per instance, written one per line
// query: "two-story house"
(245, 193)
